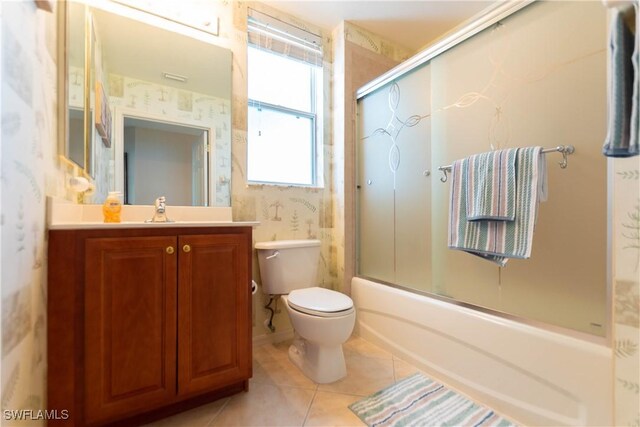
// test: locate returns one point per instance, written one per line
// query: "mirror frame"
(63, 39)
(63, 82)
(89, 92)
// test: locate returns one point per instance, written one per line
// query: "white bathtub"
(534, 376)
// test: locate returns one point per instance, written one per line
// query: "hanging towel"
(491, 185)
(497, 241)
(623, 127)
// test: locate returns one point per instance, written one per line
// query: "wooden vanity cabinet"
(146, 322)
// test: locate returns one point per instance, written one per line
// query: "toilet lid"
(320, 302)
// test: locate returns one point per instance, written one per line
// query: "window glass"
(280, 147)
(279, 81)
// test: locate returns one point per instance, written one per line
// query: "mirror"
(160, 94)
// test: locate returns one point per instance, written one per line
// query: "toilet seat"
(320, 302)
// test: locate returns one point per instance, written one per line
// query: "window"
(285, 93)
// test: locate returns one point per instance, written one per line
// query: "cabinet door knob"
(186, 248)
(169, 250)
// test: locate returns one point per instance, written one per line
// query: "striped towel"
(491, 187)
(623, 127)
(497, 241)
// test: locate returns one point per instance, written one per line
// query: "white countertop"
(63, 215)
(138, 224)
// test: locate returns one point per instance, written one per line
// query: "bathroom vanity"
(145, 320)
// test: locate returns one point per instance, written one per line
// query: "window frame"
(313, 115)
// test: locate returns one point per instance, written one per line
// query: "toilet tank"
(286, 265)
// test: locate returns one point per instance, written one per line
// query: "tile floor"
(280, 395)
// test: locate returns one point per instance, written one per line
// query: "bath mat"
(420, 401)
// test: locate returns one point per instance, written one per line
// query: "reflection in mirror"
(75, 142)
(161, 85)
(162, 158)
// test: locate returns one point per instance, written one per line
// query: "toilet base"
(322, 364)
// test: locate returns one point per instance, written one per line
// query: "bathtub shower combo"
(529, 338)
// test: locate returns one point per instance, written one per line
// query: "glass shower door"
(394, 176)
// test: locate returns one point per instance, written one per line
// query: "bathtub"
(531, 375)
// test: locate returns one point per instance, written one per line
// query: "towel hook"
(444, 171)
(565, 150)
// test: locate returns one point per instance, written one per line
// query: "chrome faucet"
(160, 214)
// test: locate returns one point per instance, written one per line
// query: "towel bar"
(566, 150)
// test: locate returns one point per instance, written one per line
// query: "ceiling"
(411, 24)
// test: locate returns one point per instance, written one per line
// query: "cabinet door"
(213, 311)
(130, 325)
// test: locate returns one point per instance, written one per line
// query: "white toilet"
(322, 319)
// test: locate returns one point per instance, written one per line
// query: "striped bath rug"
(419, 401)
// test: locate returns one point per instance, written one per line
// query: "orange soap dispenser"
(112, 207)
